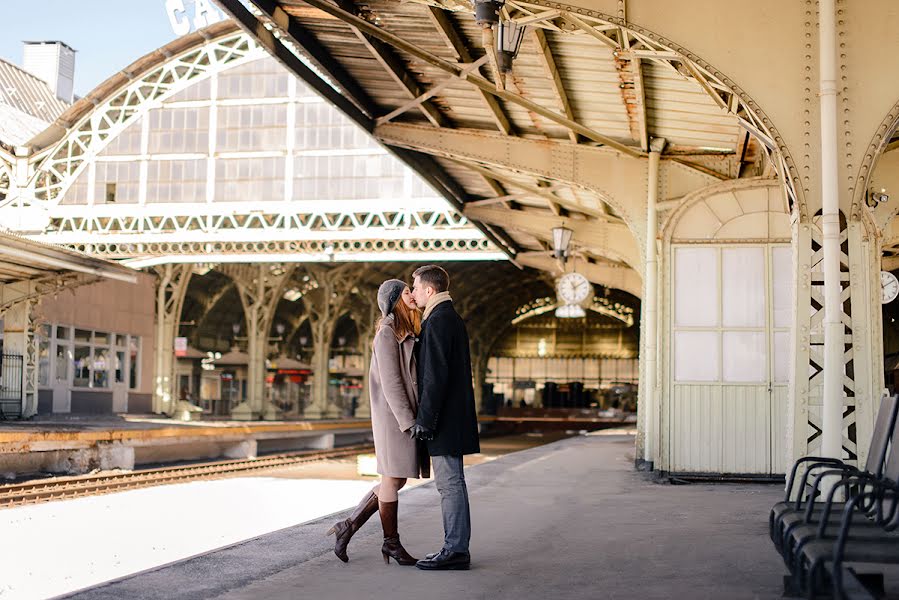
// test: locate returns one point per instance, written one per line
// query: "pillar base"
(272, 413)
(185, 411)
(243, 412)
(313, 412)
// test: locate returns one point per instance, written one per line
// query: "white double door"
(729, 362)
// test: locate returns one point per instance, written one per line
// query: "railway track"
(90, 485)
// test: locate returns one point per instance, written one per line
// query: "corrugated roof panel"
(28, 94)
(679, 110)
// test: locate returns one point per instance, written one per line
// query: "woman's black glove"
(420, 432)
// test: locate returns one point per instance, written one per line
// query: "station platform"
(77, 444)
(571, 519)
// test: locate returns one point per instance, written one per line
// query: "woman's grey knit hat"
(389, 292)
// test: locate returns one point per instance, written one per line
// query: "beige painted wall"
(113, 306)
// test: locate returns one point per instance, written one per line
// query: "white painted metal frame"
(57, 170)
(325, 229)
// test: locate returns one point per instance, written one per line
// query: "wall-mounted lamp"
(235, 328)
(509, 35)
(561, 241)
(874, 197)
(280, 328)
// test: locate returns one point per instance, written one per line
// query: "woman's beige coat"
(394, 404)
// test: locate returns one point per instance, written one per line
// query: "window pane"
(63, 356)
(101, 337)
(745, 359)
(782, 285)
(82, 364)
(82, 335)
(696, 287)
(62, 333)
(43, 361)
(134, 381)
(743, 287)
(696, 356)
(120, 340)
(120, 366)
(101, 368)
(781, 357)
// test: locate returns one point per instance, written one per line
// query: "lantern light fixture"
(509, 36)
(561, 242)
(486, 12)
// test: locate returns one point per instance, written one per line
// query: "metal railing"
(11, 375)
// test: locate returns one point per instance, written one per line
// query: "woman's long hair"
(406, 321)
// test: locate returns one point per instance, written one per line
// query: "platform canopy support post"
(171, 288)
(260, 288)
(325, 304)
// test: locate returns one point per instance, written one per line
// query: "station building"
(265, 173)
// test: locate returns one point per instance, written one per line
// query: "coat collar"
(389, 321)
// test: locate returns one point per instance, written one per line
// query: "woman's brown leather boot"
(344, 530)
(392, 547)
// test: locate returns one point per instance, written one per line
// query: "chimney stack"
(54, 62)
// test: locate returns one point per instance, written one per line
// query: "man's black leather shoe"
(446, 561)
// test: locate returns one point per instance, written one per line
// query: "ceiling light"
(509, 35)
(570, 311)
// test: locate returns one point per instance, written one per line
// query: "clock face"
(889, 287)
(573, 288)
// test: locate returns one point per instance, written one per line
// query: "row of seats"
(835, 515)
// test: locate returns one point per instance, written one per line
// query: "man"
(447, 418)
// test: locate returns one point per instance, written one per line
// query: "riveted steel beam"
(545, 57)
(444, 24)
(616, 178)
(612, 276)
(609, 240)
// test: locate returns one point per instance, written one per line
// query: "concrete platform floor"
(566, 520)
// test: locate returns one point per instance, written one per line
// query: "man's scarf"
(433, 301)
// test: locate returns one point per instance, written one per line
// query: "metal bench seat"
(794, 507)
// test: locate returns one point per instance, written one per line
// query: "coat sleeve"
(390, 370)
(433, 365)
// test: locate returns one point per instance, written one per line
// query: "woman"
(394, 403)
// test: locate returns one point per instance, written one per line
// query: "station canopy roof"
(24, 260)
(420, 76)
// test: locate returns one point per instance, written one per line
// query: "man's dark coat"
(445, 395)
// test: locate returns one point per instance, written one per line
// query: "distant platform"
(568, 520)
(519, 420)
(74, 445)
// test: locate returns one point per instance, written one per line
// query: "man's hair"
(434, 276)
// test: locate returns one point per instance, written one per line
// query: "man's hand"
(420, 432)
